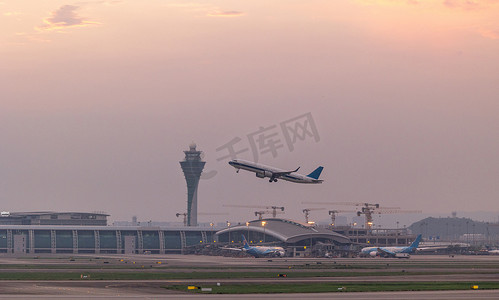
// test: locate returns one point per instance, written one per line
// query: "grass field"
(146, 275)
(336, 287)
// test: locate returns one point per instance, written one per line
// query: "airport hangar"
(76, 232)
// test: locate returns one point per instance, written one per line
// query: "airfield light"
(311, 222)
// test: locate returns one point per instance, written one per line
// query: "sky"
(98, 99)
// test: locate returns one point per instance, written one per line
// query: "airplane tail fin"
(316, 173)
(415, 244)
(245, 242)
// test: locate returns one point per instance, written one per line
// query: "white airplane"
(396, 251)
(259, 251)
(263, 171)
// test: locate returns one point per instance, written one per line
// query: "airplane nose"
(231, 162)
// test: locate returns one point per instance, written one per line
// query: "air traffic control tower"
(192, 166)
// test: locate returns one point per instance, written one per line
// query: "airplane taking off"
(259, 251)
(397, 251)
(263, 171)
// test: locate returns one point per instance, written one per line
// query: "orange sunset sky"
(100, 98)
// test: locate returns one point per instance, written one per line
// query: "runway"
(441, 295)
(420, 268)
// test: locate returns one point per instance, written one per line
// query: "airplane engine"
(373, 254)
(263, 174)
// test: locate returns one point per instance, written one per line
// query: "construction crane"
(260, 213)
(306, 211)
(185, 217)
(273, 208)
(333, 213)
(368, 209)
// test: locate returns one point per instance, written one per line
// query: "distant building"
(53, 218)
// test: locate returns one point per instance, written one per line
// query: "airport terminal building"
(298, 238)
(61, 235)
(77, 232)
(20, 239)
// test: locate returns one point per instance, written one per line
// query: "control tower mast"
(192, 166)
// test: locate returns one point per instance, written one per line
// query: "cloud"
(225, 13)
(490, 34)
(206, 9)
(470, 4)
(465, 4)
(107, 3)
(12, 14)
(65, 17)
(389, 2)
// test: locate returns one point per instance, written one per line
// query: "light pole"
(473, 236)
(211, 225)
(263, 225)
(467, 233)
(247, 227)
(228, 226)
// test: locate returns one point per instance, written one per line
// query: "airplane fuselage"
(372, 251)
(391, 251)
(263, 171)
(258, 251)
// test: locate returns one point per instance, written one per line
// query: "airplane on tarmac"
(259, 251)
(395, 251)
(263, 171)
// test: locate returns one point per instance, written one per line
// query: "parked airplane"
(263, 171)
(395, 251)
(259, 251)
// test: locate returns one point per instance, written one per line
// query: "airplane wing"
(279, 174)
(385, 251)
(233, 249)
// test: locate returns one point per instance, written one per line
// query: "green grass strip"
(147, 275)
(335, 287)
